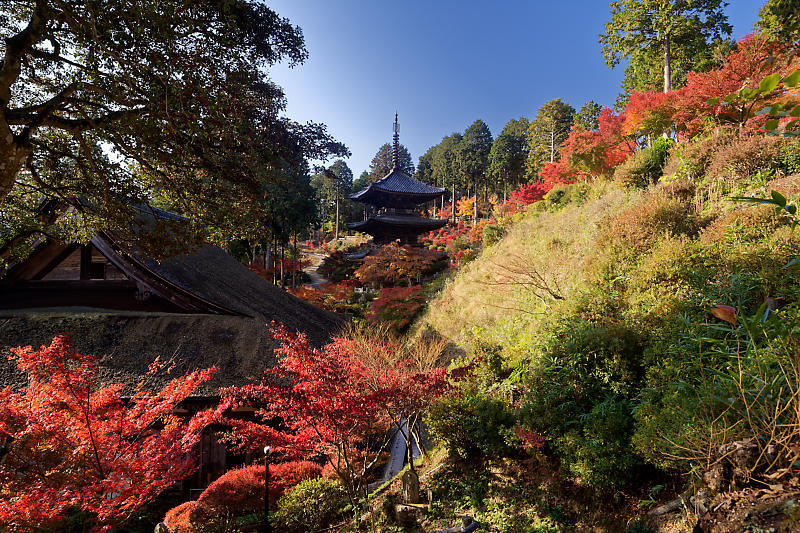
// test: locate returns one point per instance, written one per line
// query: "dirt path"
(312, 269)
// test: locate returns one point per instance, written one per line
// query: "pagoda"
(396, 197)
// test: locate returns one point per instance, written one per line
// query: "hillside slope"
(638, 331)
(510, 287)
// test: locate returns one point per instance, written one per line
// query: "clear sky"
(442, 64)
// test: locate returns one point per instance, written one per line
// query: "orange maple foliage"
(649, 113)
(595, 152)
(396, 263)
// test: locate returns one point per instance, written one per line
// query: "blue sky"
(442, 64)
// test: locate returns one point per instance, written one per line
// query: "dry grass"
(690, 160)
(656, 216)
(749, 222)
(512, 285)
(743, 156)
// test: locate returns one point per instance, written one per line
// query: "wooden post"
(294, 265)
(265, 526)
(86, 262)
(283, 260)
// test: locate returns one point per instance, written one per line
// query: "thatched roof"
(209, 310)
(239, 347)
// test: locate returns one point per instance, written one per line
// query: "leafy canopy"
(659, 35)
(110, 103)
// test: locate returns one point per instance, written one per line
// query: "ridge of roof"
(397, 181)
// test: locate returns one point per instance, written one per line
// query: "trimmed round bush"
(312, 505)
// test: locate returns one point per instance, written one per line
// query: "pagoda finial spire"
(396, 145)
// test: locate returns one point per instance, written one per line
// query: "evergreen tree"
(358, 210)
(333, 188)
(382, 162)
(670, 37)
(472, 157)
(424, 171)
(443, 165)
(545, 134)
(509, 154)
(587, 117)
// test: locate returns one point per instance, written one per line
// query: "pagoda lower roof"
(397, 222)
(395, 189)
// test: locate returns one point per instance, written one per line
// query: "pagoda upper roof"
(397, 188)
(397, 183)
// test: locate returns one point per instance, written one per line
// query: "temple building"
(396, 198)
(195, 310)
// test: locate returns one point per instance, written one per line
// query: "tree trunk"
(274, 263)
(283, 256)
(294, 265)
(475, 207)
(336, 237)
(667, 65)
(12, 158)
(453, 201)
(552, 145)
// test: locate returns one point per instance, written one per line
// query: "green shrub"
(470, 423)
(689, 160)
(734, 387)
(644, 168)
(582, 383)
(563, 194)
(492, 233)
(789, 158)
(310, 506)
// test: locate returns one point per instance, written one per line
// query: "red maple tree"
(529, 193)
(593, 152)
(396, 306)
(69, 444)
(555, 172)
(329, 402)
(753, 59)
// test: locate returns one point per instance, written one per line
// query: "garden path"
(312, 269)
